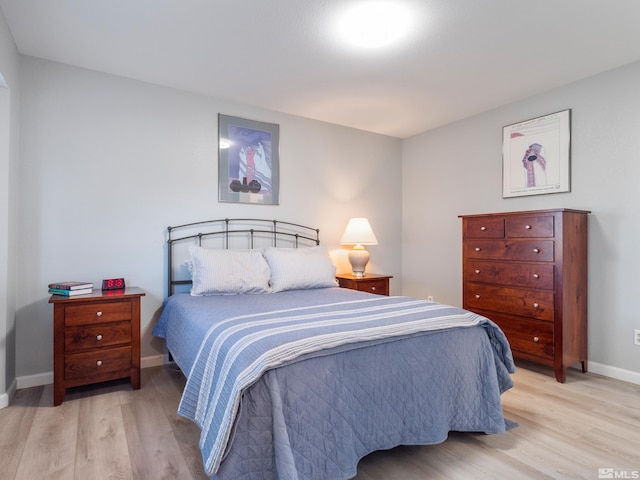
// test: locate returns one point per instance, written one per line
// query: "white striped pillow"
(300, 268)
(227, 272)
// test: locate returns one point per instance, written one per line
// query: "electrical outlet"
(430, 298)
(636, 336)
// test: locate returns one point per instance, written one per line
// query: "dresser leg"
(58, 394)
(584, 366)
(561, 374)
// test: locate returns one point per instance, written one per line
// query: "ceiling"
(460, 57)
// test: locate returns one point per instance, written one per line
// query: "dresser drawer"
(518, 227)
(517, 301)
(86, 314)
(523, 250)
(517, 274)
(97, 336)
(484, 228)
(98, 364)
(531, 337)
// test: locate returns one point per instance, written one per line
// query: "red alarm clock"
(113, 284)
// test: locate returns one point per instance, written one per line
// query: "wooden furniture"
(527, 271)
(372, 283)
(96, 337)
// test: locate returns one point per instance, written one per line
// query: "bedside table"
(372, 283)
(96, 337)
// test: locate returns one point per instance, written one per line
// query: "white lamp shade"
(358, 232)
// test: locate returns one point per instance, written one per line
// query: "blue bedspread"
(226, 344)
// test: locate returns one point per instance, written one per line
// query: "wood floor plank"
(153, 448)
(171, 383)
(110, 431)
(50, 449)
(102, 451)
(15, 424)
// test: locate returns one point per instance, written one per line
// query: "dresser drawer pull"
(535, 275)
(99, 337)
(99, 363)
(536, 339)
(536, 305)
(373, 289)
(477, 271)
(483, 228)
(527, 227)
(477, 296)
(536, 250)
(478, 249)
(98, 314)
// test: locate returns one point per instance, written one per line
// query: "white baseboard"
(5, 398)
(36, 380)
(29, 381)
(154, 360)
(614, 372)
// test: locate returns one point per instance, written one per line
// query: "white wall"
(9, 95)
(108, 163)
(457, 169)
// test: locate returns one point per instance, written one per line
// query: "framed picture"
(536, 156)
(248, 163)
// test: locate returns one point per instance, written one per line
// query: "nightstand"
(96, 337)
(372, 283)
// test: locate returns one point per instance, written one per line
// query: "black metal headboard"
(230, 233)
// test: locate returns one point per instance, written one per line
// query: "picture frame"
(248, 161)
(536, 156)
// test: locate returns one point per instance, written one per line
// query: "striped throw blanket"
(236, 351)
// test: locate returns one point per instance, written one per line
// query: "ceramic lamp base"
(358, 257)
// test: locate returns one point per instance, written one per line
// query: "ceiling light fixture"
(374, 24)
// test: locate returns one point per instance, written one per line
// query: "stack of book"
(69, 289)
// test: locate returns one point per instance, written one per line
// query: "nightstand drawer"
(381, 287)
(371, 283)
(98, 336)
(98, 364)
(87, 314)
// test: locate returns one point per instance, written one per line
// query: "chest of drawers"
(96, 338)
(527, 271)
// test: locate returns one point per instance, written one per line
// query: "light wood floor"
(112, 432)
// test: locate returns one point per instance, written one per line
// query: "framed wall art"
(536, 156)
(248, 161)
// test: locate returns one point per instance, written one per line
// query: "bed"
(291, 377)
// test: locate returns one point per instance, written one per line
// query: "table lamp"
(358, 233)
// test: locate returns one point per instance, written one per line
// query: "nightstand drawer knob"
(483, 228)
(477, 271)
(527, 227)
(478, 249)
(536, 250)
(536, 339)
(99, 337)
(536, 305)
(98, 314)
(477, 296)
(373, 289)
(535, 275)
(99, 363)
